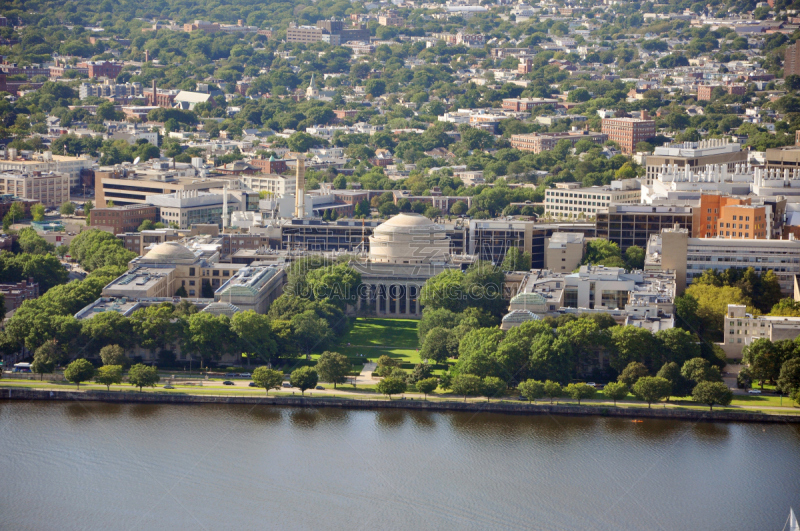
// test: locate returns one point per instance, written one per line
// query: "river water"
(120, 466)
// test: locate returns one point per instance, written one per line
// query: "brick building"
(791, 61)
(16, 294)
(123, 219)
(103, 69)
(627, 132)
(271, 165)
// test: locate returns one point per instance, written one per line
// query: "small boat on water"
(792, 521)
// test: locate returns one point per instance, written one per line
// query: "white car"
(754, 391)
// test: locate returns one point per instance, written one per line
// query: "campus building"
(628, 225)
(49, 189)
(742, 328)
(125, 218)
(695, 155)
(538, 142)
(627, 132)
(570, 200)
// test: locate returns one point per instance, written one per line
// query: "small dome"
(170, 251)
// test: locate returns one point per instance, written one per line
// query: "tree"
(311, 331)
(435, 347)
(634, 257)
(109, 374)
(385, 365)
(375, 87)
(427, 386)
(579, 391)
(615, 391)
(391, 386)
(46, 358)
(141, 375)
(493, 386)
(333, 367)
(632, 373)
(207, 335)
(712, 393)
(672, 373)
(114, 355)
(267, 378)
(255, 334)
(651, 389)
(516, 260)
(37, 211)
(552, 390)
(531, 389)
(477, 352)
(337, 283)
(16, 211)
(446, 380)
(700, 370)
(67, 208)
(79, 371)
(420, 372)
(146, 225)
(466, 385)
(631, 344)
(789, 378)
(304, 378)
(677, 345)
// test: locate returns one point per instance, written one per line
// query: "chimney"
(147, 56)
(154, 92)
(300, 188)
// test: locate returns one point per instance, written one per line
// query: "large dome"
(169, 252)
(408, 222)
(409, 239)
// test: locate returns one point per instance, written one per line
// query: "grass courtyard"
(373, 338)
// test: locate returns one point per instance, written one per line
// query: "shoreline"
(11, 394)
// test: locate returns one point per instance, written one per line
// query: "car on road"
(522, 398)
(319, 388)
(251, 384)
(245, 375)
(227, 382)
(168, 387)
(286, 384)
(754, 391)
(592, 384)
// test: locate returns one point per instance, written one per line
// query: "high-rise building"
(695, 155)
(791, 60)
(627, 132)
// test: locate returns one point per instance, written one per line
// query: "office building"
(132, 185)
(49, 189)
(253, 288)
(526, 104)
(192, 207)
(628, 225)
(742, 328)
(46, 162)
(17, 293)
(695, 155)
(627, 132)
(689, 257)
(279, 185)
(570, 200)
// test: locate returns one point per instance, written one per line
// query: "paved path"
(366, 374)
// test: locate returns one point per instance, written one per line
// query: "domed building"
(404, 252)
(409, 239)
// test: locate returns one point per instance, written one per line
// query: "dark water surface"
(111, 466)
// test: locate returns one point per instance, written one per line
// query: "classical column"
(408, 299)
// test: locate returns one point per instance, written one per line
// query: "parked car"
(168, 387)
(754, 391)
(287, 384)
(230, 374)
(319, 388)
(592, 384)
(251, 384)
(245, 375)
(227, 382)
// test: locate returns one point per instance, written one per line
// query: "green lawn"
(373, 338)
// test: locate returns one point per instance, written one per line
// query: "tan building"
(564, 252)
(791, 61)
(134, 189)
(47, 162)
(783, 158)
(627, 132)
(123, 218)
(50, 189)
(537, 143)
(742, 328)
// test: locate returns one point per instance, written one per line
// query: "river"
(120, 466)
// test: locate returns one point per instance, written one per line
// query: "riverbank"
(693, 415)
